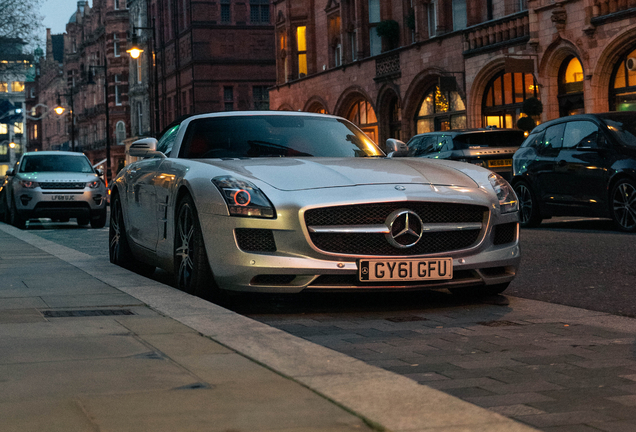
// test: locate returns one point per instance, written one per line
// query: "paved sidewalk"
(88, 346)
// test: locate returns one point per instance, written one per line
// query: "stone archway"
(413, 97)
(316, 104)
(549, 68)
(354, 98)
(477, 89)
(389, 106)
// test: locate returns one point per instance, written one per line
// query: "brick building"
(211, 56)
(399, 67)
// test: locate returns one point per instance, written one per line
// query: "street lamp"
(135, 51)
(91, 81)
(59, 110)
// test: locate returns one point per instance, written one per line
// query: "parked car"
(582, 165)
(54, 184)
(283, 202)
(489, 148)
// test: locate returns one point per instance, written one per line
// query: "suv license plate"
(499, 163)
(405, 270)
(63, 198)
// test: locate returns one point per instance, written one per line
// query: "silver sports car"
(285, 202)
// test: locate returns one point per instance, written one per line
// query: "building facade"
(210, 56)
(15, 70)
(400, 67)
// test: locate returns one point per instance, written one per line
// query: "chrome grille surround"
(63, 185)
(361, 229)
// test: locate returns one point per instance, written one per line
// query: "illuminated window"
(623, 85)
(4, 129)
(363, 115)
(35, 131)
(301, 44)
(17, 86)
(4, 87)
(571, 87)
(440, 110)
(504, 96)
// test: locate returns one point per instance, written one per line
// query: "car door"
(580, 169)
(542, 170)
(145, 208)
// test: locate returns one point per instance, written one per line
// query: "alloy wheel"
(624, 206)
(115, 233)
(185, 248)
(525, 203)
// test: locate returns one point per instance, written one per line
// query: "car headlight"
(93, 185)
(244, 198)
(507, 198)
(28, 184)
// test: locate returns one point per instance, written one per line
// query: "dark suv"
(582, 165)
(490, 148)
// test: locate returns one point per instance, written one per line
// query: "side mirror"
(396, 148)
(145, 147)
(10, 172)
(100, 172)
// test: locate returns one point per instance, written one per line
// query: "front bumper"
(38, 203)
(296, 265)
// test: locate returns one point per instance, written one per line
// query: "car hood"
(58, 177)
(313, 173)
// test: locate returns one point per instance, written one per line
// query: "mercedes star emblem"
(405, 228)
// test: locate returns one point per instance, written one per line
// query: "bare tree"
(19, 19)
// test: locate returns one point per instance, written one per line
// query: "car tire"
(119, 251)
(83, 221)
(191, 266)
(14, 217)
(99, 220)
(623, 205)
(529, 214)
(482, 291)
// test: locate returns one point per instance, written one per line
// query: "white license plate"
(63, 198)
(405, 270)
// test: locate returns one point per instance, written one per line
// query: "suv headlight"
(28, 184)
(508, 201)
(244, 198)
(93, 185)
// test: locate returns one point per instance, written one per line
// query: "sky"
(56, 14)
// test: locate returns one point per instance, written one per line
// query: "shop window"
(571, 87)
(4, 87)
(623, 84)
(504, 96)
(259, 11)
(363, 115)
(17, 86)
(440, 110)
(301, 46)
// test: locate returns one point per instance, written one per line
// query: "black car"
(489, 148)
(582, 165)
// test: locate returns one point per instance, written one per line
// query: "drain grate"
(85, 313)
(408, 318)
(499, 323)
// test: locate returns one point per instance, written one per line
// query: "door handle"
(561, 163)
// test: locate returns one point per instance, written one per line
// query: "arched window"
(317, 107)
(623, 84)
(440, 111)
(504, 96)
(363, 115)
(395, 119)
(121, 132)
(571, 87)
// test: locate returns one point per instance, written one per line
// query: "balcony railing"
(493, 34)
(606, 7)
(387, 66)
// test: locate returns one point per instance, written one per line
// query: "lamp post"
(59, 110)
(135, 51)
(91, 81)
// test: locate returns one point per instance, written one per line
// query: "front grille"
(505, 233)
(63, 185)
(62, 205)
(255, 240)
(372, 244)
(364, 214)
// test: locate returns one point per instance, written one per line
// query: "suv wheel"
(14, 217)
(529, 216)
(99, 220)
(623, 205)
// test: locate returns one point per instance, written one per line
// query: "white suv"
(57, 185)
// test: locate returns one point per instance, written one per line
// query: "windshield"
(489, 139)
(275, 136)
(623, 127)
(55, 163)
